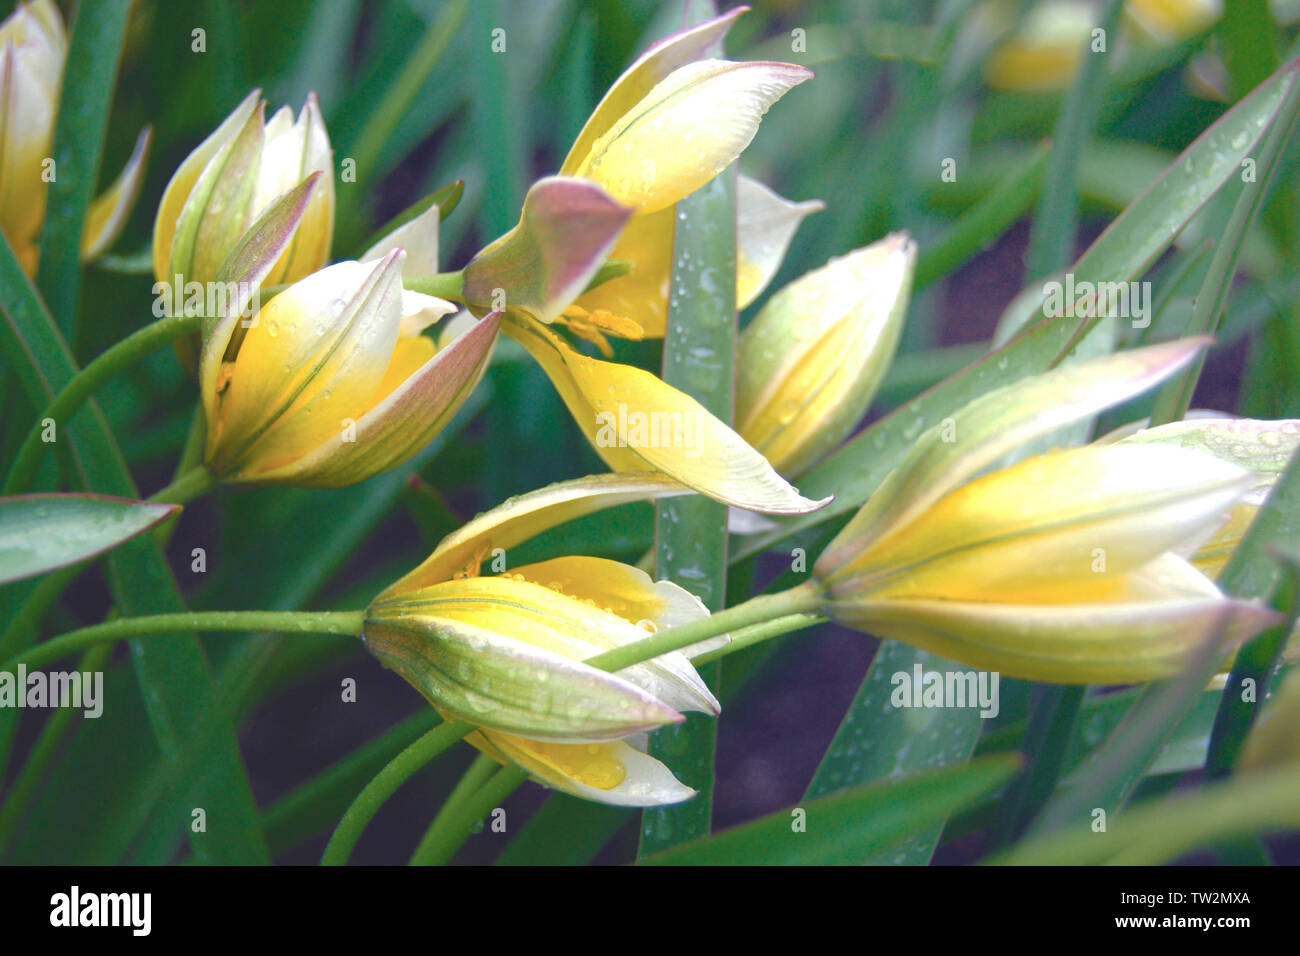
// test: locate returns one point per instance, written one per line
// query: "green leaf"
(565, 831)
(877, 741)
(691, 531)
(175, 682)
(852, 827)
(446, 198)
(94, 49)
(1125, 250)
(39, 533)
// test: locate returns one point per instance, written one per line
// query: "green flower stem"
(276, 622)
(384, 784)
(195, 483)
(800, 601)
(190, 459)
(444, 285)
(43, 751)
(88, 381)
(440, 847)
(803, 599)
(758, 633)
(473, 778)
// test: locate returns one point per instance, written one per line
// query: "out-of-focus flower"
(331, 381)
(230, 180)
(33, 47)
(505, 652)
(809, 363)
(1273, 741)
(1063, 567)
(1044, 49)
(668, 125)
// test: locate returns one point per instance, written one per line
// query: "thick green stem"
(194, 483)
(444, 285)
(85, 383)
(757, 634)
(440, 847)
(479, 770)
(798, 601)
(277, 622)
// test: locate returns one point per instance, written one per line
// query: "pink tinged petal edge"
(567, 230)
(400, 424)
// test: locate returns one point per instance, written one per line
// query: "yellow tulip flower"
(505, 652)
(331, 381)
(670, 123)
(33, 48)
(809, 363)
(231, 178)
(1063, 567)
(1044, 49)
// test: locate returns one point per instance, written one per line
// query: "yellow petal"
(996, 424)
(635, 421)
(684, 46)
(642, 294)
(108, 213)
(1078, 515)
(1093, 643)
(810, 362)
(613, 773)
(293, 151)
(183, 181)
(523, 517)
(765, 224)
(687, 129)
(27, 108)
(314, 356)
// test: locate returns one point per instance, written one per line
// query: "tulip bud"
(332, 381)
(507, 652)
(1063, 567)
(811, 360)
(33, 47)
(231, 178)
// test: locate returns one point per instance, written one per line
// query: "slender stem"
(194, 483)
(799, 600)
(439, 848)
(384, 784)
(802, 599)
(482, 767)
(444, 285)
(42, 753)
(191, 458)
(276, 622)
(757, 634)
(88, 381)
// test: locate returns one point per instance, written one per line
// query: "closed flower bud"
(812, 359)
(33, 47)
(1064, 567)
(332, 381)
(231, 179)
(506, 652)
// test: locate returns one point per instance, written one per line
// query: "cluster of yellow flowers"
(1079, 565)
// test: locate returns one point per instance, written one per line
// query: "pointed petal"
(560, 623)
(810, 362)
(997, 423)
(613, 773)
(687, 129)
(487, 677)
(301, 150)
(419, 237)
(108, 213)
(1122, 643)
(565, 233)
(313, 357)
(184, 179)
(525, 516)
(402, 421)
(1074, 516)
(765, 224)
(661, 59)
(634, 420)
